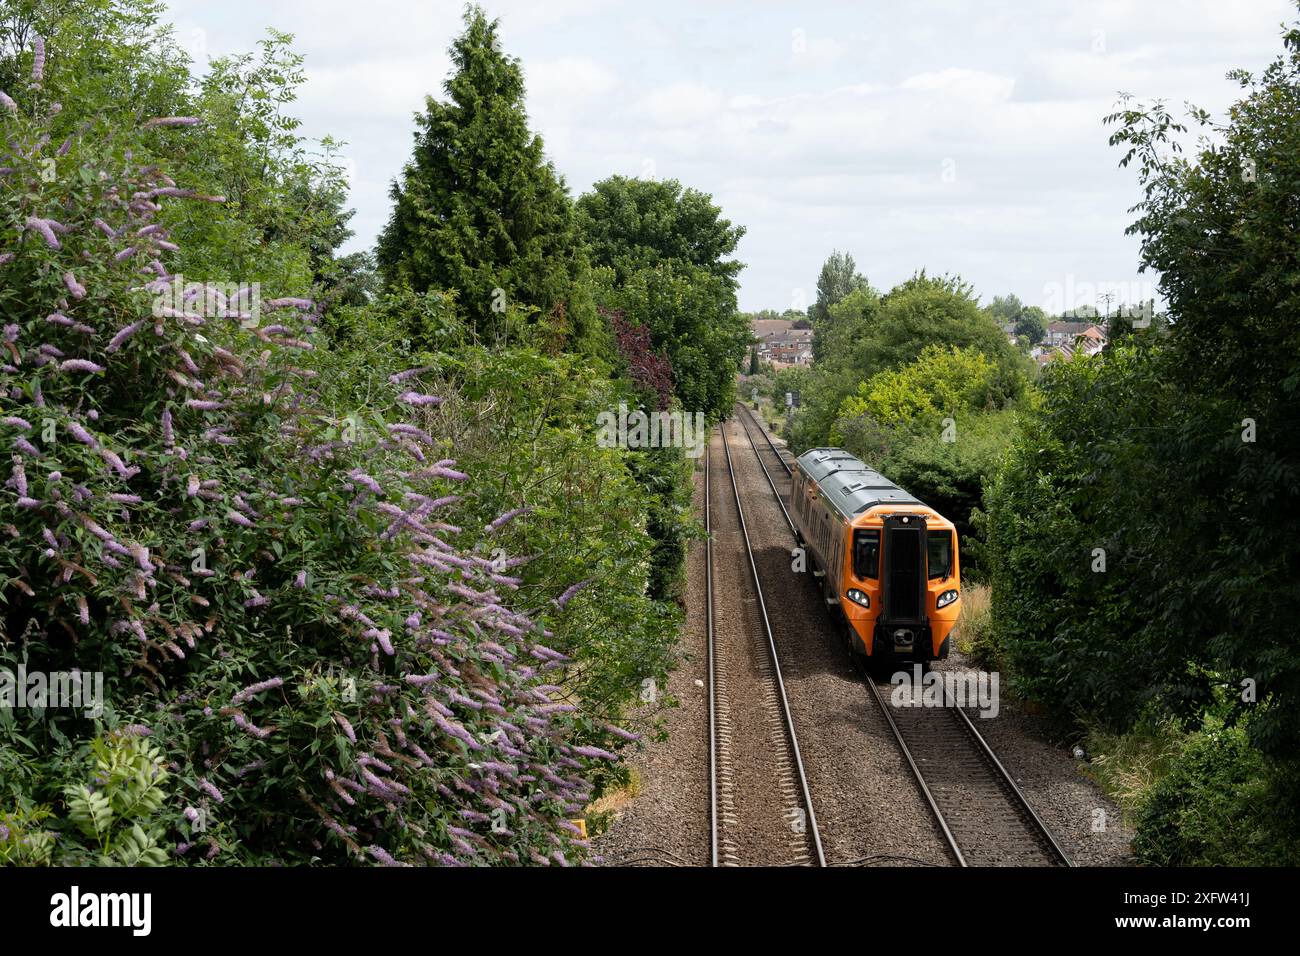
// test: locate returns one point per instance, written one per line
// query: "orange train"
(887, 563)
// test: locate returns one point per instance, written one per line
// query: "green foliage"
(1177, 452)
(104, 58)
(114, 811)
(660, 255)
(636, 224)
(283, 216)
(838, 279)
(1219, 804)
(190, 519)
(1031, 324)
(522, 422)
(479, 208)
(940, 382)
(692, 319)
(868, 335)
(927, 311)
(115, 815)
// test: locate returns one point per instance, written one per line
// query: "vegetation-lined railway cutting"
(760, 803)
(982, 813)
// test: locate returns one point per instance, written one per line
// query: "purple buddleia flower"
(346, 727)
(361, 478)
(567, 596)
(418, 399)
(43, 226)
(80, 365)
(248, 692)
(7, 102)
(243, 724)
(81, 435)
(400, 377)
(122, 335)
(6, 258)
(508, 516)
(210, 790)
(440, 471)
(290, 303)
(594, 753)
(38, 61)
(75, 288)
(382, 855)
(14, 421)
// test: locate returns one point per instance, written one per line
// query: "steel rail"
(1026, 810)
(792, 736)
(713, 730)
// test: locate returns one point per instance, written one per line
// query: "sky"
(960, 137)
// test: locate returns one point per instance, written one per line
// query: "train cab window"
(866, 553)
(939, 548)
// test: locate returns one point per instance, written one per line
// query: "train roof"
(848, 484)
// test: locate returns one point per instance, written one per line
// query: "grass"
(974, 627)
(1126, 766)
(600, 814)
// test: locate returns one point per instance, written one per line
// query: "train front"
(903, 583)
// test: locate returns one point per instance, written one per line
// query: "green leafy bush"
(270, 591)
(1219, 805)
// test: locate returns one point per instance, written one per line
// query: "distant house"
(1091, 340)
(1064, 339)
(780, 343)
(766, 328)
(1063, 333)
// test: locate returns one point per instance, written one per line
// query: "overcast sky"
(962, 137)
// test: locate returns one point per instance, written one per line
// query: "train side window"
(866, 553)
(939, 556)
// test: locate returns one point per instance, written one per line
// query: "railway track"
(983, 815)
(761, 810)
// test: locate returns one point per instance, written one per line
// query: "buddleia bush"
(328, 669)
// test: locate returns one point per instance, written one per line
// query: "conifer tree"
(479, 209)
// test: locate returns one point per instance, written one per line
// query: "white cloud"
(834, 137)
(568, 79)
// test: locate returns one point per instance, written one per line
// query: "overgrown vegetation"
(1142, 534)
(1133, 511)
(362, 584)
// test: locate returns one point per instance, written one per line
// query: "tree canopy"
(479, 208)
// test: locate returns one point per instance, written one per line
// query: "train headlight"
(946, 598)
(858, 596)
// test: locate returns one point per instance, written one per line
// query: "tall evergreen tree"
(479, 209)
